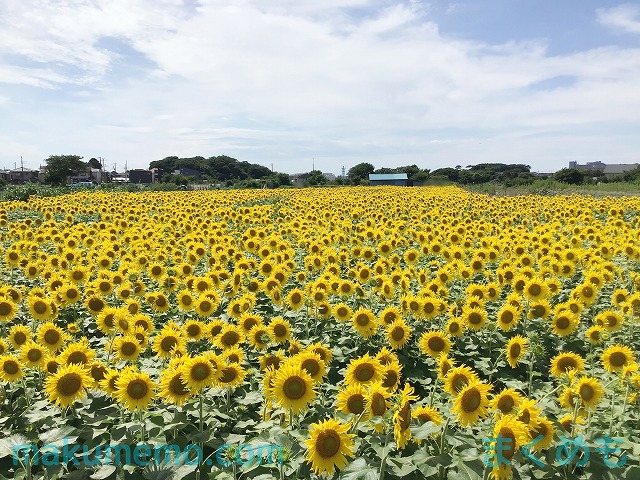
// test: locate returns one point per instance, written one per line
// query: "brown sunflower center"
(177, 386)
(459, 382)
(69, 384)
(280, 330)
(328, 443)
(228, 375)
(137, 389)
(95, 304)
(535, 290)
(397, 334)
(294, 387)
(362, 320)
(471, 400)
(390, 379)
(128, 348)
(34, 355)
(355, 404)
(168, 343)
(311, 366)
(436, 344)
(586, 392)
(193, 330)
(77, 357)
(19, 338)
(474, 318)
(562, 323)
(5, 309)
(506, 404)
(11, 367)
(515, 350)
(508, 443)
(567, 363)
(201, 371)
(378, 404)
(230, 338)
(364, 372)
(618, 359)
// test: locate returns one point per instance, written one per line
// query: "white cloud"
(344, 80)
(625, 18)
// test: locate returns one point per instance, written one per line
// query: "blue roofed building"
(398, 179)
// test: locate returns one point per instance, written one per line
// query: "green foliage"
(219, 169)
(508, 174)
(572, 176)
(358, 173)
(59, 167)
(316, 177)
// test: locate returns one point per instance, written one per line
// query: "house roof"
(388, 176)
(619, 167)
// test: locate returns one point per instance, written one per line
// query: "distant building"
(18, 176)
(606, 169)
(93, 175)
(139, 175)
(398, 179)
(188, 172)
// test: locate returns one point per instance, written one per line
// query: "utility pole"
(343, 175)
(313, 165)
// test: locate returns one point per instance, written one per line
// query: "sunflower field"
(359, 333)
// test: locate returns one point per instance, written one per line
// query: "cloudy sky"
(435, 83)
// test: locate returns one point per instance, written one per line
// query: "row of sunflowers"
(362, 332)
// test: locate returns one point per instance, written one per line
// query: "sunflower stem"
(530, 386)
(200, 430)
(613, 404)
(624, 404)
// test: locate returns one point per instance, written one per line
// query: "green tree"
(572, 176)
(316, 177)
(360, 172)
(59, 167)
(94, 163)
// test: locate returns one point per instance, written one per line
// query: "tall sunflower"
(293, 387)
(398, 334)
(402, 416)
(135, 390)
(565, 362)
(198, 373)
(590, 391)
(516, 350)
(616, 357)
(10, 369)
(68, 384)
(173, 388)
(351, 399)
(471, 403)
(328, 446)
(363, 370)
(434, 343)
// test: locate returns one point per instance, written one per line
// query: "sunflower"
(293, 387)
(33, 355)
(471, 403)
(528, 413)
(425, 413)
(259, 337)
(213, 329)
(398, 334)
(391, 374)
(8, 310)
(135, 390)
(4, 347)
(536, 289)
(595, 334)
(364, 322)
(351, 399)
(193, 329)
(565, 362)
(474, 318)
(10, 369)
(454, 327)
(328, 446)
(376, 400)
(609, 320)
(272, 360)
(249, 320)
(445, 363)
(569, 424)
(434, 343)
(19, 335)
(109, 383)
(313, 364)
(68, 384)
(544, 428)
(173, 388)
(231, 336)
(295, 299)
(516, 350)
(127, 347)
(402, 416)
(98, 372)
(616, 357)
(185, 300)
(590, 391)
(280, 329)
(168, 341)
(198, 373)
(506, 402)
(389, 315)
(51, 336)
(40, 308)
(324, 351)
(508, 317)
(231, 375)
(564, 323)
(459, 378)
(79, 353)
(363, 370)
(512, 433)
(386, 356)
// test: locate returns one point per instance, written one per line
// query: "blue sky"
(282, 82)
